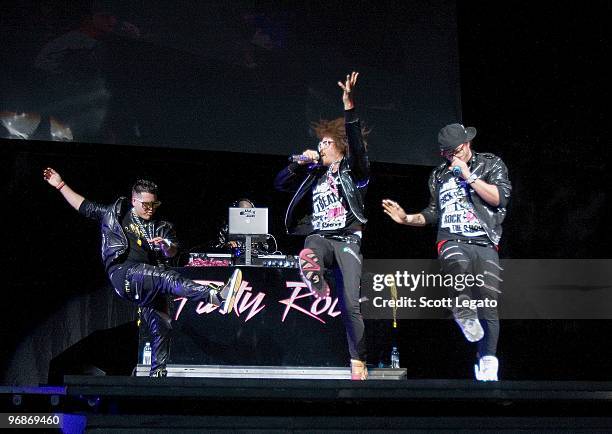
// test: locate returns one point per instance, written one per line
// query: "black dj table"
(274, 323)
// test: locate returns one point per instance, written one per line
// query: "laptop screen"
(248, 221)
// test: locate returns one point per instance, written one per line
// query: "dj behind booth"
(224, 244)
(242, 237)
(275, 322)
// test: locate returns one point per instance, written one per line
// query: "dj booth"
(276, 328)
(274, 322)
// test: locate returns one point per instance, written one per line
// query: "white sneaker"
(230, 291)
(471, 328)
(487, 368)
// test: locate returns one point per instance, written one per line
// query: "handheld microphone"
(457, 171)
(301, 158)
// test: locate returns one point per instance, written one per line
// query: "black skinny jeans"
(344, 254)
(462, 258)
(148, 286)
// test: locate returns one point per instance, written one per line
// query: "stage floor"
(191, 404)
(342, 406)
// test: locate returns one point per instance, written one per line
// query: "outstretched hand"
(347, 90)
(393, 210)
(52, 177)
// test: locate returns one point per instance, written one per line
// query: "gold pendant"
(139, 242)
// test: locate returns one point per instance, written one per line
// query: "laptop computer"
(248, 221)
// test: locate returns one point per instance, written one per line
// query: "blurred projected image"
(232, 76)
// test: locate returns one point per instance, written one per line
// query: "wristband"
(60, 185)
(473, 177)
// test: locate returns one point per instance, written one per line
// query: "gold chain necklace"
(144, 231)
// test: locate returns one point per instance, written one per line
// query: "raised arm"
(85, 207)
(55, 180)
(347, 90)
(357, 154)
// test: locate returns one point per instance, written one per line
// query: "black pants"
(148, 286)
(461, 258)
(343, 253)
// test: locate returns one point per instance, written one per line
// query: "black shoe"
(159, 373)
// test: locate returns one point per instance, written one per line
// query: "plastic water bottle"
(146, 354)
(395, 363)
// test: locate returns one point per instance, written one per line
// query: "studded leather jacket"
(114, 239)
(354, 176)
(492, 170)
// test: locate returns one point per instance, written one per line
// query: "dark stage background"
(531, 82)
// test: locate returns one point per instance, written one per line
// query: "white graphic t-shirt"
(328, 210)
(457, 217)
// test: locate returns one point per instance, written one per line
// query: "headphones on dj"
(236, 203)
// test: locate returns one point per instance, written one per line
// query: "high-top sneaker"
(310, 269)
(229, 291)
(486, 369)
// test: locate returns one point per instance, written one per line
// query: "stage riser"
(272, 372)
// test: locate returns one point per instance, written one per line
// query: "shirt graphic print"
(456, 210)
(328, 211)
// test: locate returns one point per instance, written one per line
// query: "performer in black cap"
(469, 195)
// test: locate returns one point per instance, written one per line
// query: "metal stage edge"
(340, 389)
(273, 372)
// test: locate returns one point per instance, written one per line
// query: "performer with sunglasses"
(469, 194)
(328, 206)
(134, 244)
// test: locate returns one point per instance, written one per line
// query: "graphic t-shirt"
(331, 213)
(458, 219)
(138, 251)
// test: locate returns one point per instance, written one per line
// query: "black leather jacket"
(114, 240)
(490, 169)
(354, 177)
